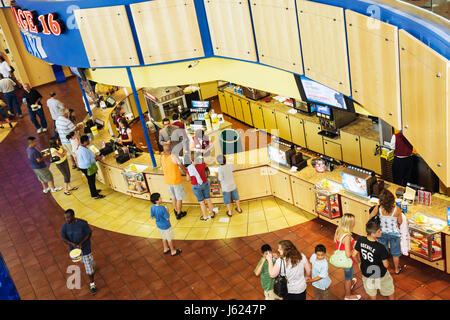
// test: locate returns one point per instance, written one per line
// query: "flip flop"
(238, 210)
(399, 270)
(166, 252)
(177, 253)
(73, 189)
(67, 193)
(229, 214)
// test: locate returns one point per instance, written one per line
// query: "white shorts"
(177, 191)
(166, 234)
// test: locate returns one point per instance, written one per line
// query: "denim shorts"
(349, 273)
(228, 196)
(202, 191)
(393, 242)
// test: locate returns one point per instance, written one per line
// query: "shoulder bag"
(280, 284)
(339, 259)
(92, 169)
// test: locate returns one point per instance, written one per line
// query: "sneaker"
(39, 130)
(100, 196)
(93, 288)
(46, 190)
(11, 114)
(205, 219)
(44, 130)
(178, 216)
(183, 214)
(20, 115)
(56, 189)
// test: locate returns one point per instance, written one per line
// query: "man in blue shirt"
(37, 161)
(86, 158)
(77, 234)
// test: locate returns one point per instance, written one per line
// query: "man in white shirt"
(56, 108)
(5, 69)
(64, 127)
(8, 88)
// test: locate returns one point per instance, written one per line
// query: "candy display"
(328, 202)
(425, 235)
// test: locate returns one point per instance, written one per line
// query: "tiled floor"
(6, 130)
(132, 267)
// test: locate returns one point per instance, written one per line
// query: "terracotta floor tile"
(186, 294)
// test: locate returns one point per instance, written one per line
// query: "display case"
(164, 102)
(425, 236)
(328, 199)
(135, 179)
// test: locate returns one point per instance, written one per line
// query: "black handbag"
(54, 159)
(280, 284)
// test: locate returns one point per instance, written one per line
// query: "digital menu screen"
(324, 110)
(354, 184)
(277, 155)
(200, 104)
(316, 92)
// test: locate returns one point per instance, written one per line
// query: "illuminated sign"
(29, 20)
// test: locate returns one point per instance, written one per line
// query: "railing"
(439, 7)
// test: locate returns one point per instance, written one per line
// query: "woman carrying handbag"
(295, 266)
(345, 242)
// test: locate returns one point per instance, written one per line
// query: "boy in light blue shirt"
(319, 275)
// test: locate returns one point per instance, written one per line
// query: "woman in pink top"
(344, 241)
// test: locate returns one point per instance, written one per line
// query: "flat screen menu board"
(277, 155)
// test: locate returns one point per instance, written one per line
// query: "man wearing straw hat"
(77, 234)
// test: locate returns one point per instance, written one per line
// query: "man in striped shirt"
(64, 127)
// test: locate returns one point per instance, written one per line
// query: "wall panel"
(374, 66)
(276, 32)
(322, 30)
(425, 106)
(107, 36)
(231, 29)
(167, 30)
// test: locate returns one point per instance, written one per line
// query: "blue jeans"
(392, 242)
(11, 100)
(202, 191)
(349, 273)
(41, 115)
(56, 135)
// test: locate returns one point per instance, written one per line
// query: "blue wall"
(67, 49)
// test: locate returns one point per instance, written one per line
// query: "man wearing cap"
(64, 127)
(77, 234)
(56, 108)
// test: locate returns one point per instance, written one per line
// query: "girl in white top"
(296, 267)
(5, 69)
(74, 138)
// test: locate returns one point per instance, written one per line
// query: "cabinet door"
(332, 149)
(116, 179)
(303, 194)
(246, 111)
(230, 106)
(157, 182)
(253, 183)
(238, 108)
(360, 211)
(351, 148)
(270, 122)
(313, 139)
(284, 129)
(297, 131)
(222, 102)
(257, 115)
(281, 186)
(102, 173)
(368, 158)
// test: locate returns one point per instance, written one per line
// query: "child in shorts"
(262, 270)
(160, 213)
(319, 275)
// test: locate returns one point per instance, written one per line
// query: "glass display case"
(164, 102)
(135, 179)
(425, 236)
(328, 201)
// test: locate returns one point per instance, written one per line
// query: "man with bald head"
(173, 168)
(32, 98)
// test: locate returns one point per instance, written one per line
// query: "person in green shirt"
(262, 269)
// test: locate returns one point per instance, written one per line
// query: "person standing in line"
(56, 150)
(374, 263)
(8, 88)
(77, 234)
(56, 108)
(72, 116)
(229, 189)
(196, 174)
(319, 277)
(390, 219)
(176, 137)
(403, 160)
(172, 169)
(294, 265)
(33, 100)
(87, 158)
(202, 144)
(262, 270)
(162, 217)
(37, 161)
(74, 138)
(65, 126)
(344, 241)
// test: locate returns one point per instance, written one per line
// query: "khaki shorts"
(69, 150)
(177, 191)
(44, 174)
(270, 295)
(166, 234)
(384, 284)
(320, 294)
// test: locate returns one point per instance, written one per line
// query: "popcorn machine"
(425, 236)
(328, 199)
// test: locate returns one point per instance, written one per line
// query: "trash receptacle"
(230, 141)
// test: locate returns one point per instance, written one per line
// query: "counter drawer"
(440, 264)
(332, 149)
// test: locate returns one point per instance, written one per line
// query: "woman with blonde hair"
(294, 265)
(344, 241)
